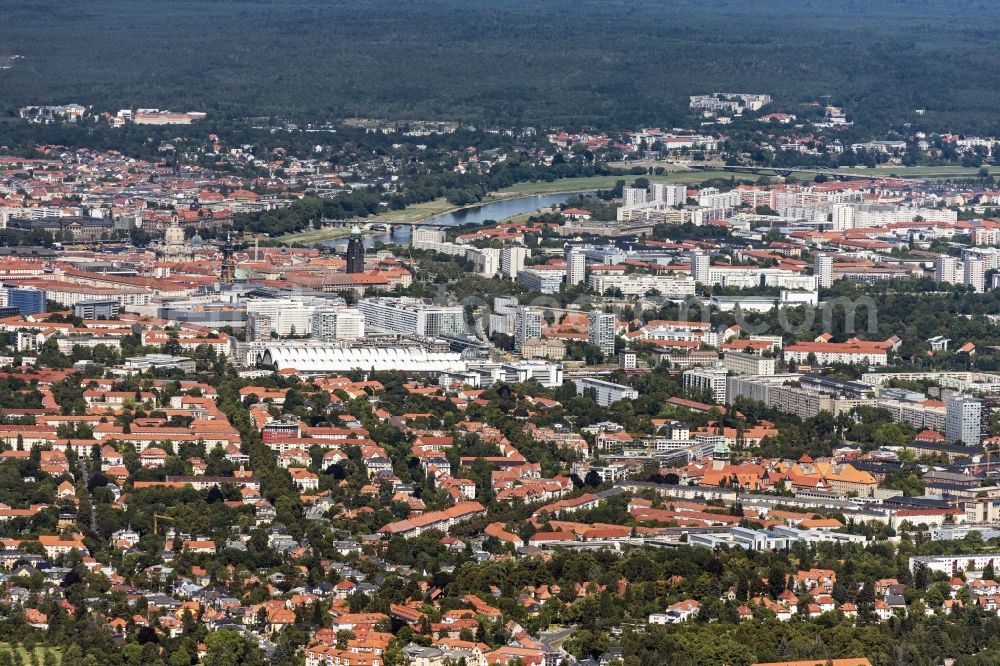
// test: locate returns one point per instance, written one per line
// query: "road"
(557, 637)
(81, 465)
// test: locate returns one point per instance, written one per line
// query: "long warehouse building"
(330, 358)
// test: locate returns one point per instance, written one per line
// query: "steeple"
(227, 273)
(356, 251)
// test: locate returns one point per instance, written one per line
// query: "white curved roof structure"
(329, 358)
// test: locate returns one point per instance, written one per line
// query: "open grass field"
(677, 171)
(570, 185)
(313, 236)
(516, 219)
(919, 171)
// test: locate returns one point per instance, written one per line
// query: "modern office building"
(527, 326)
(427, 235)
(289, 317)
(823, 270)
(635, 284)
(669, 194)
(963, 419)
(543, 281)
(919, 414)
(486, 260)
(105, 308)
(502, 317)
(259, 327)
(946, 269)
(576, 266)
(427, 238)
(411, 316)
(741, 363)
(27, 300)
(802, 402)
(331, 324)
(701, 264)
(711, 380)
(545, 373)
(634, 196)
(512, 260)
(712, 198)
(628, 360)
(601, 332)
(604, 392)
(975, 274)
(505, 305)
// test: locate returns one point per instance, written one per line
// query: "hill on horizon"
(610, 63)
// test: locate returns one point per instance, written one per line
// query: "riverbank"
(413, 213)
(313, 236)
(424, 211)
(918, 171)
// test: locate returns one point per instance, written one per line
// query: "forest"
(507, 62)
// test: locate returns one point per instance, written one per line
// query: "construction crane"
(156, 517)
(989, 448)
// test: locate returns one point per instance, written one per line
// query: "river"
(492, 211)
